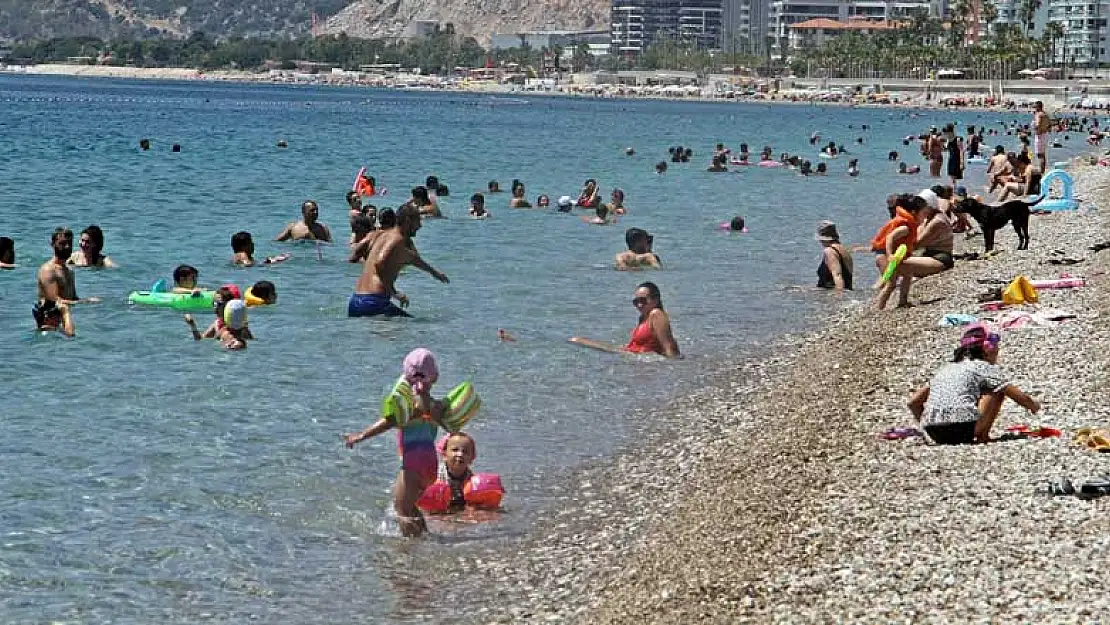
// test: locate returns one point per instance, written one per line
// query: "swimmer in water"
(517, 201)
(589, 198)
(308, 228)
(423, 204)
(904, 169)
(736, 224)
(478, 206)
(364, 233)
(220, 299)
(543, 201)
(185, 279)
(242, 246)
(661, 167)
(263, 290)
(719, 164)
(493, 187)
(416, 439)
(639, 254)
(601, 217)
(391, 252)
(853, 167)
(7, 253)
(822, 170)
(653, 331)
(616, 204)
(57, 287)
(91, 252)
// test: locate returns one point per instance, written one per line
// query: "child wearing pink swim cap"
(416, 439)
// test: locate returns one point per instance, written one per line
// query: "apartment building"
(784, 13)
(1085, 31)
(744, 28)
(637, 24)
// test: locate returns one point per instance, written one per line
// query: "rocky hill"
(476, 18)
(28, 19)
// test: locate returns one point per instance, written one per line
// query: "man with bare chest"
(391, 251)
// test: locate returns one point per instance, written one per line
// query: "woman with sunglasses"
(652, 333)
(961, 402)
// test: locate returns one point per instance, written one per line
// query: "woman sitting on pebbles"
(901, 230)
(961, 402)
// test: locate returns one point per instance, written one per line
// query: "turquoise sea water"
(149, 478)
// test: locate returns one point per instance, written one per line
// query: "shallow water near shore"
(151, 477)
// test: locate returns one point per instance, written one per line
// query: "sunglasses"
(639, 301)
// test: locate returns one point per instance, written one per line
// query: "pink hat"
(419, 370)
(978, 335)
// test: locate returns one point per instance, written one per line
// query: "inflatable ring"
(194, 301)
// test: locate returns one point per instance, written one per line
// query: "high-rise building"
(1084, 25)
(786, 12)
(744, 29)
(637, 24)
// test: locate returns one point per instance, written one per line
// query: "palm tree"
(1027, 12)
(1053, 32)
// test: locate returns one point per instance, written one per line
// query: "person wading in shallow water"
(391, 251)
(56, 286)
(308, 228)
(652, 333)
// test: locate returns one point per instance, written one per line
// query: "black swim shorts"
(962, 433)
(944, 257)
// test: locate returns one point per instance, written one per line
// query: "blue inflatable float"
(1058, 200)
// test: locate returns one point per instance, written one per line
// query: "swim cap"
(419, 370)
(235, 314)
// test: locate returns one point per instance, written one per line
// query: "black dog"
(991, 218)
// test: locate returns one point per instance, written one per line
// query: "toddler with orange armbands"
(458, 487)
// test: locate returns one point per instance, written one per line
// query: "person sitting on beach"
(543, 201)
(478, 206)
(652, 333)
(517, 201)
(934, 236)
(589, 198)
(416, 440)
(639, 254)
(7, 253)
(961, 402)
(242, 246)
(308, 228)
(57, 286)
(719, 164)
(92, 246)
(391, 252)
(616, 202)
(998, 168)
(185, 279)
(902, 230)
(1029, 184)
(835, 270)
(904, 169)
(493, 187)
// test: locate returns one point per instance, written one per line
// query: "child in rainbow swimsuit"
(418, 417)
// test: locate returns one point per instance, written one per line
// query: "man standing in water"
(1041, 126)
(392, 250)
(57, 289)
(307, 229)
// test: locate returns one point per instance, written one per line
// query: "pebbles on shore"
(769, 498)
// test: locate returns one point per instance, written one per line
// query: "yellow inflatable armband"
(1020, 291)
(462, 404)
(399, 405)
(250, 299)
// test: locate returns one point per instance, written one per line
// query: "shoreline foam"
(773, 500)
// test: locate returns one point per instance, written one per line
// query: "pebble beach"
(770, 496)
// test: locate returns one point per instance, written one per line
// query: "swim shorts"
(372, 305)
(945, 258)
(1040, 144)
(962, 433)
(47, 316)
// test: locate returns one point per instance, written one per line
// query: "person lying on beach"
(518, 201)
(308, 228)
(91, 252)
(7, 253)
(961, 402)
(902, 230)
(390, 253)
(652, 333)
(639, 254)
(416, 440)
(589, 198)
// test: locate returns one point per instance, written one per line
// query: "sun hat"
(826, 231)
(235, 314)
(930, 198)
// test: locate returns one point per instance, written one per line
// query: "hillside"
(29, 19)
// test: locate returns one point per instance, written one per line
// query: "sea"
(151, 478)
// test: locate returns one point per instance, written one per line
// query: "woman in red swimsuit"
(652, 333)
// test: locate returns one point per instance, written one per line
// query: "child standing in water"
(418, 423)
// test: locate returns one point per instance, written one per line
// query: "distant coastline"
(907, 93)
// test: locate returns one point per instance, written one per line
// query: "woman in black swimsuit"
(835, 270)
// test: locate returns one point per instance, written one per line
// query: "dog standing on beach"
(991, 218)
